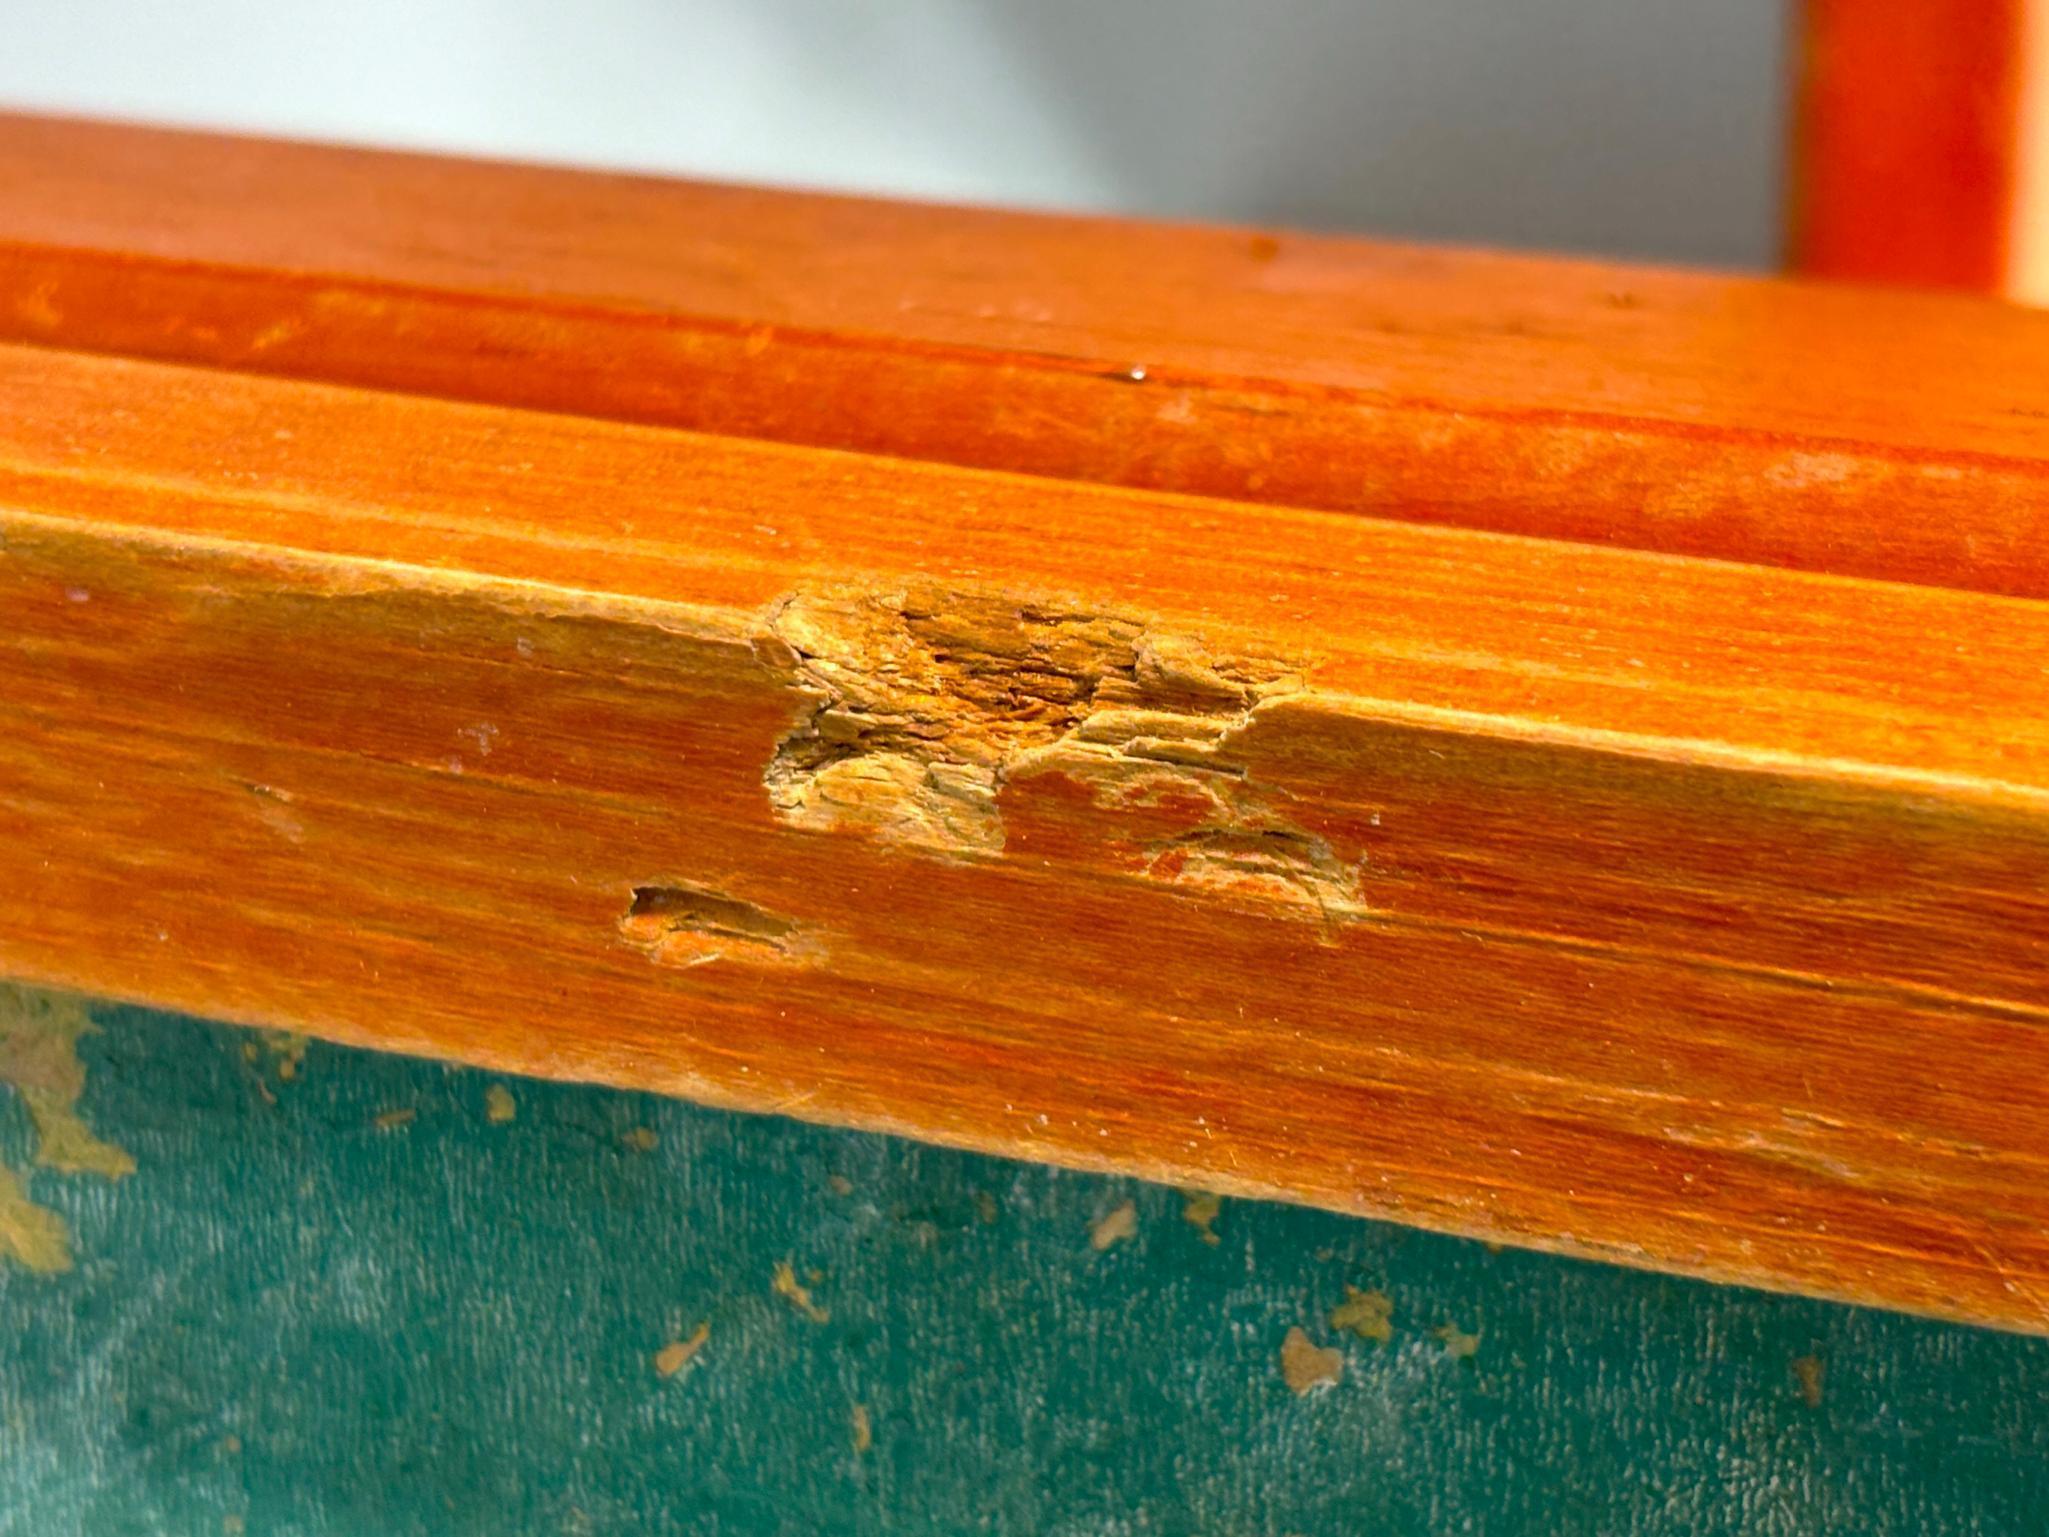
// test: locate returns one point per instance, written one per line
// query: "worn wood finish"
(1668, 910)
(1888, 436)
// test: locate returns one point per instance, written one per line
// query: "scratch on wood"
(928, 701)
(274, 807)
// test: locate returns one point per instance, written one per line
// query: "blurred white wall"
(1637, 127)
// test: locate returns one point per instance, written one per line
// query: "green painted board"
(339, 1295)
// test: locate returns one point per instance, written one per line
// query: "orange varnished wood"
(1626, 903)
(1908, 139)
(1895, 436)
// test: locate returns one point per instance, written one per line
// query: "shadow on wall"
(1633, 127)
(1627, 127)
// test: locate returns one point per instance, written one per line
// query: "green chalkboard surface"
(339, 1292)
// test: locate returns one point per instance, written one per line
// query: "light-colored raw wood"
(1884, 435)
(1664, 909)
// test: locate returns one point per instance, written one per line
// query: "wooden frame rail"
(1848, 431)
(1910, 153)
(1921, 144)
(1541, 750)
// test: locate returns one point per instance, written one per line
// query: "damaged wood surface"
(1854, 432)
(1633, 905)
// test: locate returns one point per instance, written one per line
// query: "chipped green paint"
(33, 1236)
(1117, 1225)
(1308, 1367)
(797, 1294)
(1368, 1314)
(290, 1321)
(1458, 1344)
(1200, 1210)
(39, 1036)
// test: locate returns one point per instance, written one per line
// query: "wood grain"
(1669, 910)
(1896, 436)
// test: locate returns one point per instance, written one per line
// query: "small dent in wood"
(680, 925)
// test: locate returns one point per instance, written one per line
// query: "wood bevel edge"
(341, 574)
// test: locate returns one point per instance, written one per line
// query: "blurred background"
(1644, 128)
